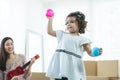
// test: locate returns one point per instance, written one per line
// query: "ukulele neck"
(25, 65)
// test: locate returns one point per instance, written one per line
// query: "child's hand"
(101, 51)
(32, 60)
(15, 78)
(50, 18)
(49, 13)
(96, 51)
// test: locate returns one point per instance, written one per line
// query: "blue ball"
(95, 51)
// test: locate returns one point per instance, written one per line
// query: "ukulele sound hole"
(18, 72)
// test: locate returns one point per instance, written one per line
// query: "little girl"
(67, 63)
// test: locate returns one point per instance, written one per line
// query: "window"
(33, 46)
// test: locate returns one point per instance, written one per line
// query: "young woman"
(9, 60)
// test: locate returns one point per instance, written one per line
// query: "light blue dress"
(67, 59)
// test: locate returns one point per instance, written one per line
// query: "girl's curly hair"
(80, 17)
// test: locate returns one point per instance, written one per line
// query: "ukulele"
(19, 70)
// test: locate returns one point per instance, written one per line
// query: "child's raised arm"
(50, 15)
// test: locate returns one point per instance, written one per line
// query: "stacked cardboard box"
(110, 68)
(102, 70)
(91, 68)
(91, 71)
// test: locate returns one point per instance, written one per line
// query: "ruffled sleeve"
(85, 41)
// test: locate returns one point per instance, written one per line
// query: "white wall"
(12, 21)
(106, 27)
(18, 15)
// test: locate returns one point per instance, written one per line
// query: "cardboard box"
(91, 68)
(110, 68)
(39, 76)
(114, 78)
(97, 78)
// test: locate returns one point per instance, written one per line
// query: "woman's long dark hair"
(3, 54)
(80, 17)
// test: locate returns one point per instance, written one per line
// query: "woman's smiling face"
(9, 46)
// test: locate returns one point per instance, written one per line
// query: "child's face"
(72, 25)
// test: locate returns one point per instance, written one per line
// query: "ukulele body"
(18, 71)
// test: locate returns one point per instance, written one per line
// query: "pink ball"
(49, 13)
